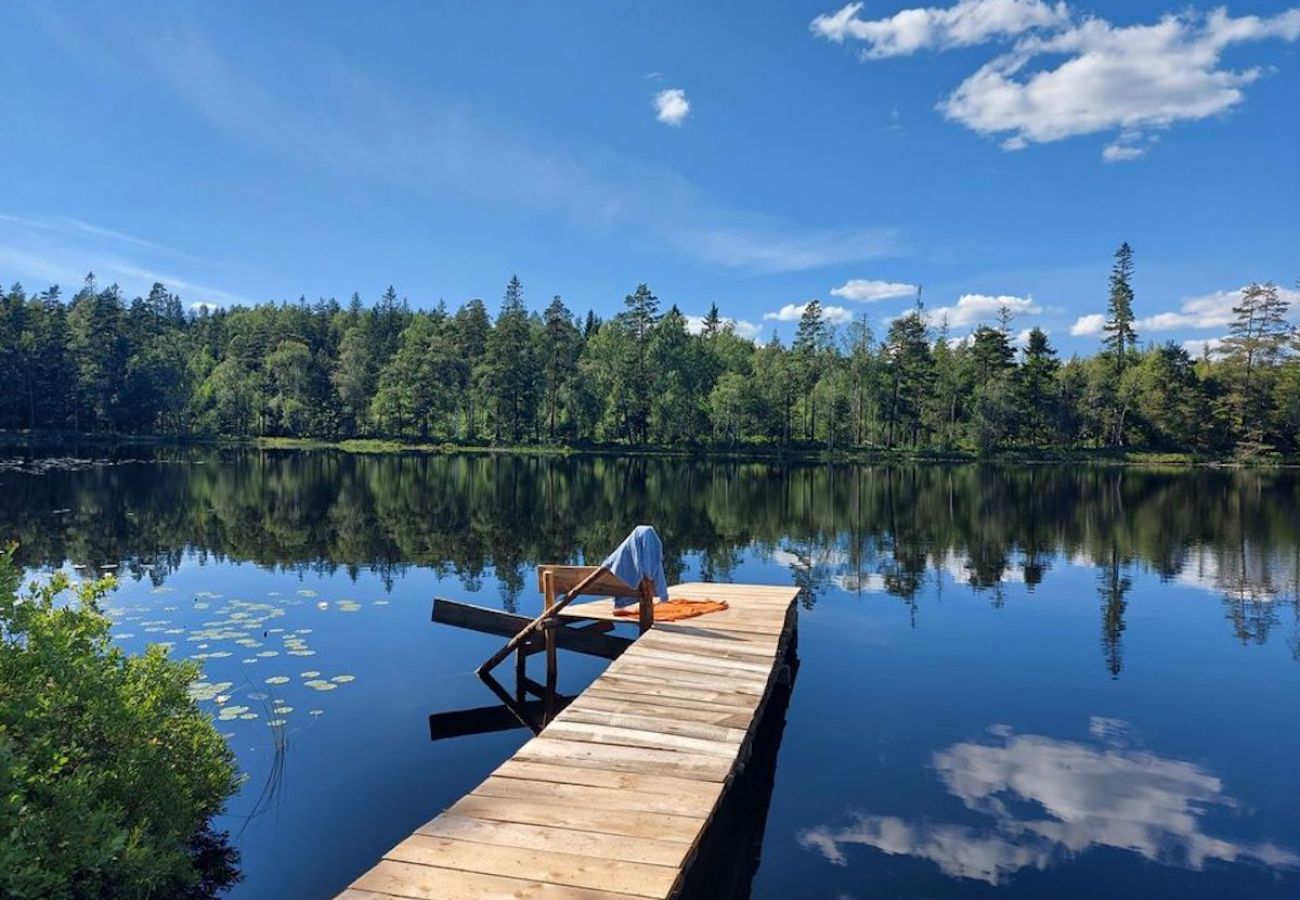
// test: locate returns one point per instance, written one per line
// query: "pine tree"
(1257, 338)
(808, 343)
(1121, 337)
(641, 312)
(561, 344)
(910, 372)
(1039, 394)
(510, 372)
(712, 323)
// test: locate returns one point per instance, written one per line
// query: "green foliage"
(434, 376)
(109, 774)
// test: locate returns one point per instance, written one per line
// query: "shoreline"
(53, 441)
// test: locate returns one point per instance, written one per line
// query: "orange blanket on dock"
(672, 610)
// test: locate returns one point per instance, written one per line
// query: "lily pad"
(278, 679)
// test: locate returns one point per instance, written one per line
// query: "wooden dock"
(612, 798)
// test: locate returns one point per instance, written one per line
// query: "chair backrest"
(565, 578)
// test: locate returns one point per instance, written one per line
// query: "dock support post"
(646, 616)
(548, 599)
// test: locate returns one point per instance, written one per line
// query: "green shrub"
(109, 774)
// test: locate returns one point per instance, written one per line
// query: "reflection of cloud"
(1050, 799)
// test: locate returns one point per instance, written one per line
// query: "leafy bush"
(109, 774)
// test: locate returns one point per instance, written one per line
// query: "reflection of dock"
(614, 797)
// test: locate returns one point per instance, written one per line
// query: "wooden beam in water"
(494, 621)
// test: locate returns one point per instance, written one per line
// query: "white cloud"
(1207, 311)
(973, 308)
(671, 106)
(1086, 326)
(1129, 78)
(1070, 75)
(1022, 339)
(968, 22)
(867, 291)
(791, 312)
(742, 329)
(1047, 800)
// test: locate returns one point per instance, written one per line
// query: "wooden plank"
(643, 671)
(553, 867)
(683, 711)
(600, 797)
(656, 721)
(494, 621)
(625, 759)
(404, 879)
(659, 826)
(638, 686)
(550, 838)
(687, 790)
(566, 578)
(635, 737)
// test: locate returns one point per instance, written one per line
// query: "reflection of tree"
(890, 529)
(1113, 585)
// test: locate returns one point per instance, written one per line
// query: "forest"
(102, 364)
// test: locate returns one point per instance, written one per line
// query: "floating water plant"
(278, 679)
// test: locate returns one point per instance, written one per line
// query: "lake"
(1014, 681)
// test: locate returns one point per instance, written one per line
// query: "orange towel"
(672, 610)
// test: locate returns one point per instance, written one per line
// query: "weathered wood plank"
(659, 722)
(686, 789)
(551, 866)
(550, 838)
(601, 797)
(404, 879)
(659, 826)
(632, 737)
(625, 759)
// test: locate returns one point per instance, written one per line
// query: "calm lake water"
(1014, 681)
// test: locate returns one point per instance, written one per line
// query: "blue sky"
(981, 149)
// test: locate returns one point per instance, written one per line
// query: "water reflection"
(896, 531)
(1047, 800)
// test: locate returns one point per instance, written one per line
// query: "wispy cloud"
(344, 118)
(47, 250)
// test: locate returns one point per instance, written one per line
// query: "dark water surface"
(1014, 681)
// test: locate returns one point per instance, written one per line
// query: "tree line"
(102, 364)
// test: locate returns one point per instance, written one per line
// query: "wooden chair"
(560, 585)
